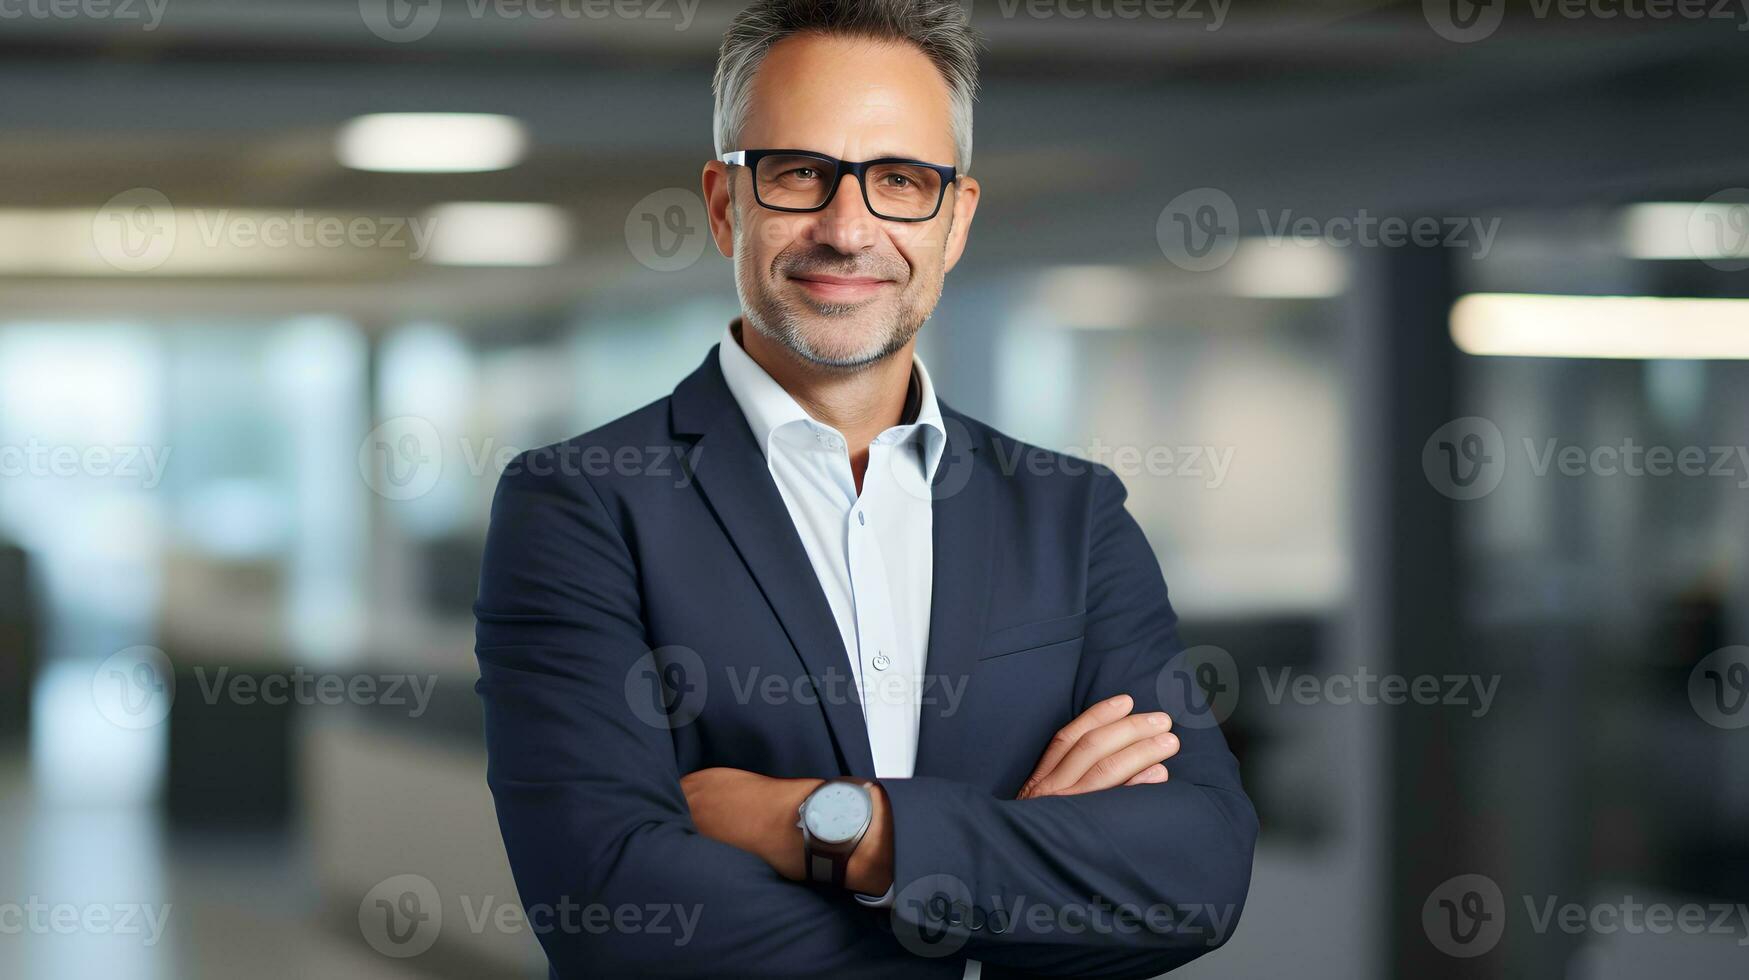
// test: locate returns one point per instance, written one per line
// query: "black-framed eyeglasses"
(801, 181)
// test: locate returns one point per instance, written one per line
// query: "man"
(968, 637)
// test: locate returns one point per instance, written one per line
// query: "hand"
(753, 812)
(1105, 746)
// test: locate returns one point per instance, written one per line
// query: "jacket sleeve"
(587, 788)
(1126, 882)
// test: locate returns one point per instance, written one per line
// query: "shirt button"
(882, 661)
(861, 518)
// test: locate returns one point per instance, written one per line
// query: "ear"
(965, 205)
(715, 180)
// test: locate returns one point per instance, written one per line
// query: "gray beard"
(782, 325)
(779, 324)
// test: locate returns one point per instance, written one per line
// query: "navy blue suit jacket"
(656, 550)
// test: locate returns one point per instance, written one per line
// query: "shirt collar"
(769, 407)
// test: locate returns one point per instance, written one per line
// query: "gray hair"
(939, 28)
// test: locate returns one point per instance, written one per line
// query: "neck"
(860, 403)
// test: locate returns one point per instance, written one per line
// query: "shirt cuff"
(876, 902)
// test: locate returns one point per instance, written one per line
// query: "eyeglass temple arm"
(737, 158)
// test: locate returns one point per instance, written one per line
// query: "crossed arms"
(594, 810)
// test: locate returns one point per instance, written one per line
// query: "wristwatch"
(834, 819)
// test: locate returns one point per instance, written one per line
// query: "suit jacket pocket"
(1031, 636)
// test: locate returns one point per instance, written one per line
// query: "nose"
(846, 224)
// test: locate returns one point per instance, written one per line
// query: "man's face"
(841, 287)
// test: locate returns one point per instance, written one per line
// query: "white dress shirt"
(873, 552)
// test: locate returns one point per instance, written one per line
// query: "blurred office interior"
(270, 401)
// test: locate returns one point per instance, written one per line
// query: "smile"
(840, 288)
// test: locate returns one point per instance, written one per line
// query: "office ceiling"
(1320, 106)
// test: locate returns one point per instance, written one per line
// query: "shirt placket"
(886, 686)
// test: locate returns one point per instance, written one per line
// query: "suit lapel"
(731, 472)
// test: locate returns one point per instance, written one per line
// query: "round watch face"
(836, 812)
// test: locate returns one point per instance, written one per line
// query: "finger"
(1105, 741)
(1130, 761)
(1103, 713)
(1155, 773)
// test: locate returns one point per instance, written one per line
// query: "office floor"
(237, 908)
